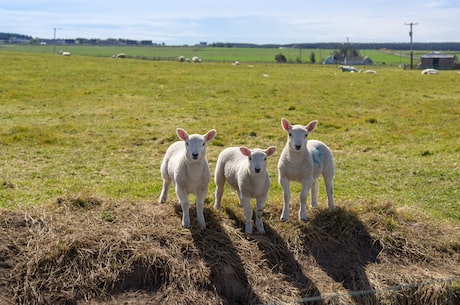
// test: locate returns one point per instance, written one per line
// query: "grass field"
(101, 126)
(254, 55)
(92, 131)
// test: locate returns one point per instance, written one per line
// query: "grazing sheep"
(185, 165)
(63, 53)
(196, 59)
(120, 55)
(303, 160)
(430, 71)
(181, 58)
(347, 69)
(368, 71)
(246, 171)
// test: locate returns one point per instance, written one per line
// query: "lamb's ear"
(285, 124)
(270, 151)
(210, 135)
(182, 134)
(311, 126)
(245, 151)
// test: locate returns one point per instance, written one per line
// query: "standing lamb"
(185, 165)
(246, 171)
(303, 161)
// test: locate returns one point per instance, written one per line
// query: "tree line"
(10, 38)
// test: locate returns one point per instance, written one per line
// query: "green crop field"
(99, 125)
(254, 55)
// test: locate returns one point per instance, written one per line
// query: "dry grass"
(85, 250)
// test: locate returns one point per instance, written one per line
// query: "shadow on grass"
(280, 259)
(227, 272)
(343, 248)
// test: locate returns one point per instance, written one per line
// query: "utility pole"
(411, 44)
(54, 42)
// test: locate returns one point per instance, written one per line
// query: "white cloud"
(259, 21)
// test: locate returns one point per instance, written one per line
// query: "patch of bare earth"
(84, 250)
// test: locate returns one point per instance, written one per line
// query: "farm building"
(439, 61)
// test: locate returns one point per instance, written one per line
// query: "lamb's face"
(195, 147)
(257, 161)
(298, 134)
(297, 137)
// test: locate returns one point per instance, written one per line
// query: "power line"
(411, 44)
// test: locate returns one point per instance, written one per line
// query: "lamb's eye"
(186, 143)
(265, 159)
(306, 135)
(290, 134)
(204, 143)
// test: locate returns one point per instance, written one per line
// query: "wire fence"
(442, 291)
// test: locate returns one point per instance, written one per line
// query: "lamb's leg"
(306, 186)
(284, 182)
(329, 191)
(220, 185)
(164, 191)
(314, 193)
(260, 204)
(184, 203)
(246, 204)
(200, 197)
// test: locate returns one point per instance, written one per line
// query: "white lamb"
(185, 165)
(246, 171)
(303, 160)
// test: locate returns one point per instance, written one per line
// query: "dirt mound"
(85, 250)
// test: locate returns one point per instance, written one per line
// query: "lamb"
(185, 165)
(246, 171)
(196, 59)
(430, 71)
(303, 160)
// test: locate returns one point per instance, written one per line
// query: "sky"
(175, 22)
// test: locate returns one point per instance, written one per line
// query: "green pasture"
(254, 55)
(100, 126)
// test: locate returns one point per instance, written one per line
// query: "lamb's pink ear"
(210, 135)
(245, 151)
(285, 124)
(182, 134)
(270, 151)
(311, 126)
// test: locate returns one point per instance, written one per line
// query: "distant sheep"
(185, 165)
(181, 58)
(196, 59)
(368, 71)
(120, 55)
(303, 161)
(246, 171)
(430, 71)
(347, 69)
(236, 63)
(63, 53)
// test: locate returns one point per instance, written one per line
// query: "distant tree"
(280, 58)
(346, 50)
(312, 57)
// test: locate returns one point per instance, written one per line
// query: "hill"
(84, 250)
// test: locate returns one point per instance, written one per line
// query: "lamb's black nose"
(195, 156)
(257, 170)
(297, 147)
